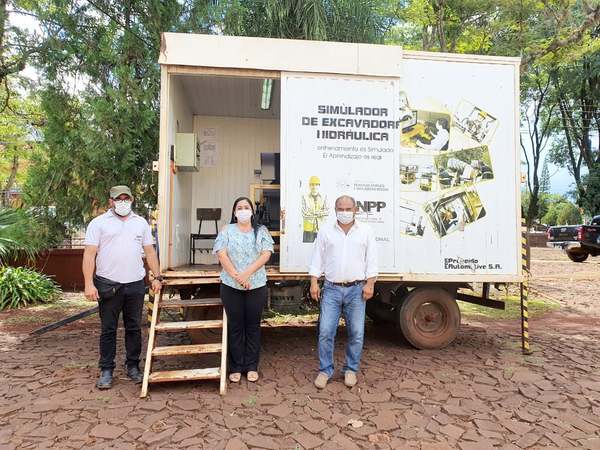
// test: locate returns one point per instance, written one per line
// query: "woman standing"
(243, 248)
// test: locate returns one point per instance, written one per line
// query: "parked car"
(578, 241)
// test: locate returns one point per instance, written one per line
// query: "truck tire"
(577, 256)
(429, 318)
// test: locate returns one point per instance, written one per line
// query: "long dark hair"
(253, 220)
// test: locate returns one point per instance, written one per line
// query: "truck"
(427, 143)
(578, 241)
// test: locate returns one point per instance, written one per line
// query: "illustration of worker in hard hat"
(314, 210)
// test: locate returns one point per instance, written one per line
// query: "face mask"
(243, 215)
(345, 217)
(122, 207)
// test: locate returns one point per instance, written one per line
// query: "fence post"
(525, 261)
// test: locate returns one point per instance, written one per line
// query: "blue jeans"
(335, 301)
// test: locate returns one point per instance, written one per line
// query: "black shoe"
(105, 380)
(135, 374)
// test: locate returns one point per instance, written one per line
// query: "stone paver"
(480, 392)
(107, 431)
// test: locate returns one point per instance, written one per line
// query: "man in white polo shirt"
(346, 253)
(113, 246)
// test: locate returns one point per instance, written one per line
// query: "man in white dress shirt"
(345, 252)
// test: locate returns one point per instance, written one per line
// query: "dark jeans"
(130, 300)
(244, 312)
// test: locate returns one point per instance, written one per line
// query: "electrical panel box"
(187, 151)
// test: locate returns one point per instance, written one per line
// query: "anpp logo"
(370, 206)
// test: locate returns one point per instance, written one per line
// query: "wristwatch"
(159, 278)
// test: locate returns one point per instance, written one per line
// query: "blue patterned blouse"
(243, 250)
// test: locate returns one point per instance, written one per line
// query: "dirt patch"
(573, 285)
(28, 319)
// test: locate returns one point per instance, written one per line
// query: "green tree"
(561, 211)
(101, 79)
(19, 138)
(21, 234)
(100, 98)
(590, 199)
(106, 131)
(543, 205)
(545, 178)
(536, 31)
(538, 120)
(577, 93)
(335, 20)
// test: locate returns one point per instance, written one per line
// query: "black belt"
(347, 283)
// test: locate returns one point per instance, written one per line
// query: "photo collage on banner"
(444, 156)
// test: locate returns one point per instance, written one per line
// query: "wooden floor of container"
(209, 273)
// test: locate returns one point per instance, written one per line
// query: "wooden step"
(212, 373)
(181, 350)
(191, 303)
(185, 325)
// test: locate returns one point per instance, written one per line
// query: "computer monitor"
(270, 167)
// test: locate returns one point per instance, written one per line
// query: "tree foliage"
(552, 209)
(325, 20)
(101, 102)
(561, 212)
(99, 98)
(590, 199)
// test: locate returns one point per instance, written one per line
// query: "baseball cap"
(115, 191)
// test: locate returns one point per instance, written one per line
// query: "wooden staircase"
(156, 326)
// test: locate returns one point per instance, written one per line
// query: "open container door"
(339, 136)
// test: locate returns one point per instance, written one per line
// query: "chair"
(204, 215)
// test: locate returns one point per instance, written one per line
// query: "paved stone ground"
(478, 393)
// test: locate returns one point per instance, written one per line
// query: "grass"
(46, 313)
(306, 316)
(250, 402)
(79, 365)
(536, 307)
(27, 320)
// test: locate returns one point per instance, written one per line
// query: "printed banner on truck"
(339, 136)
(458, 175)
(431, 159)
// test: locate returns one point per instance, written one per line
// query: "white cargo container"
(427, 143)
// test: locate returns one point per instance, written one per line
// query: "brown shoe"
(350, 378)
(321, 380)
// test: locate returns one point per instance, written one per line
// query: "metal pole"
(525, 290)
(63, 322)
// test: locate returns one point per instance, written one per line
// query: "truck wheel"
(429, 318)
(577, 256)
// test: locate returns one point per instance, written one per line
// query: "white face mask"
(345, 217)
(243, 215)
(122, 207)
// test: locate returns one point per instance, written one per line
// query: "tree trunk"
(11, 180)
(439, 6)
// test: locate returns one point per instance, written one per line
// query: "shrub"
(21, 234)
(22, 286)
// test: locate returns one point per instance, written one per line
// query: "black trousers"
(244, 313)
(129, 299)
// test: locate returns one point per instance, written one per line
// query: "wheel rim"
(430, 319)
